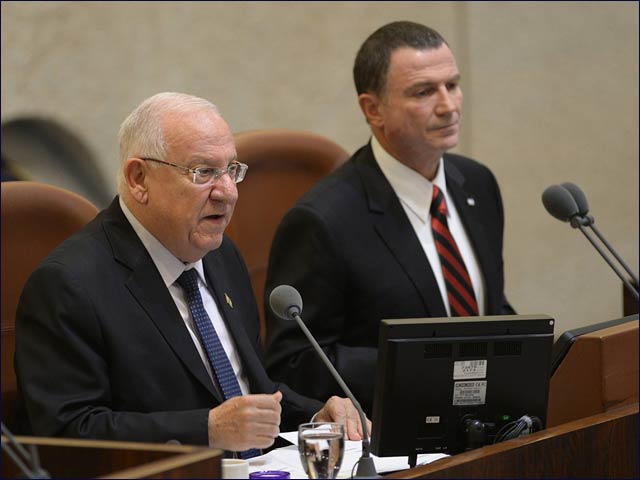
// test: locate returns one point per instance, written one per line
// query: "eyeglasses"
(204, 175)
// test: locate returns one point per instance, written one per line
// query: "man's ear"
(135, 178)
(373, 108)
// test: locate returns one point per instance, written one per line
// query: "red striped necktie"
(462, 300)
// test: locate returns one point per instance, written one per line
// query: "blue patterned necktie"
(220, 364)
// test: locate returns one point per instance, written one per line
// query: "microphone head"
(579, 196)
(559, 203)
(285, 301)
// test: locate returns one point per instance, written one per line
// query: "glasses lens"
(241, 171)
(233, 172)
(202, 175)
(236, 172)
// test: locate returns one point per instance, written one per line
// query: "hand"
(249, 421)
(341, 410)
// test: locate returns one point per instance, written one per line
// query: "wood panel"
(74, 458)
(599, 372)
(601, 446)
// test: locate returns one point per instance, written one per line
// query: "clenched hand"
(249, 421)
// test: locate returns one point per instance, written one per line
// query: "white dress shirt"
(170, 268)
(414, 192)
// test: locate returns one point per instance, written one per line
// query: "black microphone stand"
(366, 467)
(591, 224)
(580, 222)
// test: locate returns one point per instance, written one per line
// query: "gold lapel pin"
(228, 299)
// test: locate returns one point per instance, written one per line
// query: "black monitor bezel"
(394, 330)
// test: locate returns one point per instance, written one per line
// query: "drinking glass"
(321, 447)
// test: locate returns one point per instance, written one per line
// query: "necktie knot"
(188, 280)
(438, 203)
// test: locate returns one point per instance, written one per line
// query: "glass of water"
(321, 447)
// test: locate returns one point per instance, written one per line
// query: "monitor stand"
(413, 459)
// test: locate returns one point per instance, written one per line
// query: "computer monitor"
(448, 385)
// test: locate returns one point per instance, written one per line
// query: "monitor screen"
(448, 385)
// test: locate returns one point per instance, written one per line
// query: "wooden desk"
(600, 372)
(601, 446)
(73, 458)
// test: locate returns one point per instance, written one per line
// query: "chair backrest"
(283, 165)
(35, 219)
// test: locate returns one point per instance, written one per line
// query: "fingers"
(264, 409)
(354, 426)
(352, 421)
(338, 409)
(248, 421)
(341, 410)
(262, 402)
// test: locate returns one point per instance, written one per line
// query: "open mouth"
(215, 217)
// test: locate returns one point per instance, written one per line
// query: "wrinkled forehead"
(199, 130)
(183, 121)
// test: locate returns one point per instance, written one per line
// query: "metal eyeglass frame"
(216, 173)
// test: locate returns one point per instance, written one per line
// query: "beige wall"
(551, 95)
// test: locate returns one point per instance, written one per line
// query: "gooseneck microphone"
(583, 209)
(286, 302)
(568, 203)
(560, 203)
(579, 197)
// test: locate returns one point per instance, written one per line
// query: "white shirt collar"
(169, 266)
(412, 188)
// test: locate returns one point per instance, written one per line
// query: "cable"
(353, 468)
(523, 426)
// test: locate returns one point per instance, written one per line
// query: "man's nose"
(446, 104)
(224, 188)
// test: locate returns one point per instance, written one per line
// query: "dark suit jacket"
(350, 250)
(102, 351)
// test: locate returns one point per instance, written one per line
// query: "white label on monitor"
(469, 393)
(466, 369)
(433, 419)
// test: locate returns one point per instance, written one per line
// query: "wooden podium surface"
(71, 458)
(601, 446)
(600, 372)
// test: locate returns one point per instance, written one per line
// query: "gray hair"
(141, 132)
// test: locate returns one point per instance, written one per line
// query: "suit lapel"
(469, 214)
(148, 288)
(395, 229)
